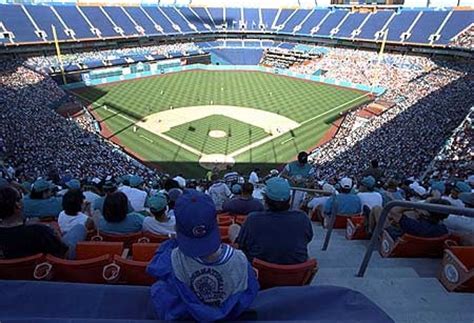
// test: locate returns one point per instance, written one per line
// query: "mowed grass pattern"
(294, 98)
(239, 134)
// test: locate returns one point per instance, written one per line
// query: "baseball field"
(188, 121)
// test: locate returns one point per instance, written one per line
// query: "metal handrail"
(412, 205)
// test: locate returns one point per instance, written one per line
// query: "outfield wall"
(377, 90)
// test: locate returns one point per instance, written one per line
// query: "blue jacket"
(175, 300)
(347, 204)
(33, 208)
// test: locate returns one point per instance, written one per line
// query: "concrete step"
(333, 273)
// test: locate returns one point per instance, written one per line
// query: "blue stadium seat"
(232, 56)
(428, 24)
(284, 15)
(193, 18)
(351, 24)
(269, 16)
(100, 21)
(44, 18)
(251, 18)
(121, 20)
(17, 22)
(375, 24)
(312, 21)
(217, 15)
(295, 20)
(75, 21)
(400, 24)
(142, 20)
(331, 22)
(177, 19)
(205, 18)
(160, 19)
(459, 21)
(232, 17)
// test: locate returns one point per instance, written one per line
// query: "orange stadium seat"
(409, 246)
(97, 270)
(341, 221)
(133, 272)
(144, 251)
(355, 228)
(315, 215)
(20, 268)
(457, 270)
(93, 249)
(240, 219)
(273, 275)
(148, 237)
(127, 239)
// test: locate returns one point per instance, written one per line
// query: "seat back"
(144, 251)
(409, 246)
(127, 239)
(457, 270)
(94, 249)
(20, 268)
(355, 228)
(272, 275)
(133, 272)
(148, 237)
(341, 221)
(240, 219)
(97, 270)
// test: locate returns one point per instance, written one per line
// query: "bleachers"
(32, 23)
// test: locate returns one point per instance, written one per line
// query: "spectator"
(453, 197)
(198, 277)
(219, 192)
(254, 176)
(320, 201)
(134, 192)
(20, 240)
(391, 192)
(231, 177)
(40, 202)
(243, 204)
(368, 197)
(299, 171)
(72, 215)
(277, 235)
(160, 222)
(346, 203)
(374, 170)
(116, 218)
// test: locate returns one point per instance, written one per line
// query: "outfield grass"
(296, 99)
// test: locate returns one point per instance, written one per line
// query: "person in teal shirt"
(40, 203)
(116, 218)
(298, 172)
(347, 203)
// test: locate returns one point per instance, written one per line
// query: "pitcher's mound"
(216, 160)
(217, 134)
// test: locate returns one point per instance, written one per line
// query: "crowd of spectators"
(465, 39)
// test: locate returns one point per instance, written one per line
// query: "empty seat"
(457, 270)
(272, 275)
(355, 228)
(94, 249)
(409, 246)
(148, 237)
(133, 272)
(97, 270)
(20, 268)
(127, 239)
(144, 251)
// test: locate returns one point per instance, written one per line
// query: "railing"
(380, 224)
(413, 205)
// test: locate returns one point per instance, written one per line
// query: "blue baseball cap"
(74, 184)
(368, 181)
(278, 189)
(41, 185)
(438, 186)
(157, 202)
(135, 181)
(463, 187)
(197, 231)
(236, 189)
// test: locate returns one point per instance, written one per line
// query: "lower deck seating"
(341, 221)
(409, 246)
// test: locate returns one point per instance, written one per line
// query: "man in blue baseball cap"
(41, 202)
(160, 222)
(199, 277)
(278, 235)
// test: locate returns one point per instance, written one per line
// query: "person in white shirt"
(459, 188)
(219, 192)
(72, 214)
(367, 195)
(91, 190)
(253, 177)
(319, 201)
(135, 195)
(160, 222)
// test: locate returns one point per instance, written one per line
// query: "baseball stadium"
(208, 160)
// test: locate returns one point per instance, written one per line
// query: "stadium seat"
(409, 246)
(355, 228)
(315, 215)
(20, 268)
(341, 221)
(457, 270)
(97, 270)
(144, 251)
(133, 272)
(240, 219)
(93, 249)
(149, 237)
(272, 275)
(127, 239)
